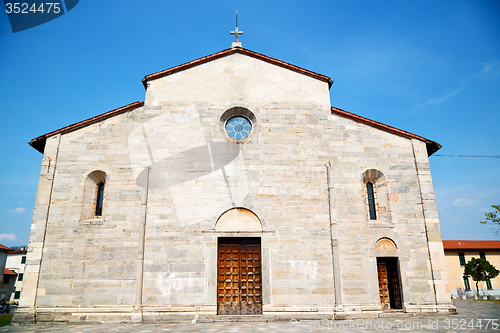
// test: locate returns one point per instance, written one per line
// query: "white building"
(5, 275)
(16, 262)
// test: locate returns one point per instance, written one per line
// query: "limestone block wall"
(356, 148)
(282, 183)
(38, 226)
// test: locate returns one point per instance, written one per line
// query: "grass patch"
(5, 319)
(489, 300)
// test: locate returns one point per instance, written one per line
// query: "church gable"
(238, 74)
(227, 52)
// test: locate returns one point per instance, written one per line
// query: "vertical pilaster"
(142, 239)
(433, 231)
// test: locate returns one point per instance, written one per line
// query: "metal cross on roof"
(236, 32)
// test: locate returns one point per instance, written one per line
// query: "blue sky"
(429, 67)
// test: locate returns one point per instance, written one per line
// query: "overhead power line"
(483, 156)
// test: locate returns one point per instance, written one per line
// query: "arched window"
(371, 201)
(94, 198)
(376, 194)
(99, 199)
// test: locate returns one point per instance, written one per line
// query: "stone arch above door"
(238, 219)
(385, 243)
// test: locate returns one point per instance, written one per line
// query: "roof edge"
(4, 248)
(18, 252)
(39, 142)
(432, 146)
(230, 51)
(471, 245)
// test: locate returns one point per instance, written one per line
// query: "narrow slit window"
(99, 199)
(482, 255)
(371, 201)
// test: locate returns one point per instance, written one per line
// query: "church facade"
(233, 189)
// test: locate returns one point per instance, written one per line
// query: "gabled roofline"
(471, 245)
(432, 146)
(39, 142)
(230, 51)
(4, 248)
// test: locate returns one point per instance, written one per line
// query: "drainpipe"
(334, 241)
(142, 240)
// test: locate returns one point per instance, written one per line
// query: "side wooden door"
(383, 285)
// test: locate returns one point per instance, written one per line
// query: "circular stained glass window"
(238, 128)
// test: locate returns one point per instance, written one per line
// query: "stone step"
(396, 314)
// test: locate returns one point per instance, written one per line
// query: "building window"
(466, 282)
(378, 196)
(17, 295)
(96, 183)
(482, 255)
(461, 256)
(23, 260)
(371, 201)
(20, 277)
(488, 284)
(238, 124)
(99, 199)
(238, 128)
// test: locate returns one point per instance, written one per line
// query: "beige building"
(233, 189)
(458, 253)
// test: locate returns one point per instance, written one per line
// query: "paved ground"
(473, 316)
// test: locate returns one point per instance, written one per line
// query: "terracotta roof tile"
(432, 146)
(18, 252)
(230, 51)
(9, 272)
(4, 248)
(471, 245)
(39, 142)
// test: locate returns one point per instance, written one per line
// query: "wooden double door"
(389, 283)
(239, 276)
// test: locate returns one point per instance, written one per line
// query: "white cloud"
(441, 99)
(491, 68)
(21, 202)
(463, 202)
(10, 236)
(18, 210)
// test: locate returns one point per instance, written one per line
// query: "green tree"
(480, 270)
(493, 218)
